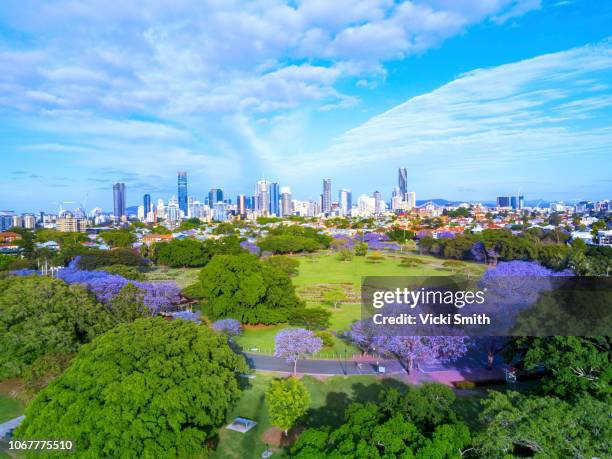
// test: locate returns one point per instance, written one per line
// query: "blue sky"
(475, 98)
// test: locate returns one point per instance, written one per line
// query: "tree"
(129, 272)
(95, 259)
(310, 318)
(40, 316)
(118, 238)
(288, 265)
(128, 305)
(181, 253)
(522, 425)
(293, 343)
(361, 249)
(287, 401)
(231, 327)
(243, 287)
(576, 365)
(335, 296)
(6, 261)
(286, 243)
(345, 255)
(152, 388)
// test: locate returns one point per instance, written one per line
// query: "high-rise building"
(326, 196)
(173, 211)
(345, 201)
(182, 192)
(242, 204)
(215, 195)
(71, 224)
(119, 200)
(146, 202)
(402, 181)
(6, 219)
(262, 198)
(29, 221)
(286, 204)
(503, 201)
(17, 221)
(274, 199)
(378, 203)
(410, 200)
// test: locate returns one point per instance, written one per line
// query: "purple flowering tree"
(293, 343)
(230, 327)
(251, 247)
(410, 349)
(424, 349)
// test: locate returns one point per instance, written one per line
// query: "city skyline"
(489, 99)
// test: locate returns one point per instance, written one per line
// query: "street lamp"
(345, 363)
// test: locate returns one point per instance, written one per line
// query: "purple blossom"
(230, 327)
(158, 296)
(412, 349)
(293, 343)
(251, 247)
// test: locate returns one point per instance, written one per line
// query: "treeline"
(550, 248)
(293, 239)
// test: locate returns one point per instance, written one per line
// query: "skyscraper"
(262, 198)
(402, 181)
(182, 192)
(241, 204)
(146, 202)
(326, 197)
(215, 195)
(378, 203)
(119, 200)
(345, 200)
(274, 199)
(286, 204)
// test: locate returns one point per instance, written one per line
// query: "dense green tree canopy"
(244, 288)
(118, 238)
(40, 315)
(543, 427)
(95, 259)
(191, 252)
(152, 388)
(287, 264)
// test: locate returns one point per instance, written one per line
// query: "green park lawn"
(9, 408)
(182, 276)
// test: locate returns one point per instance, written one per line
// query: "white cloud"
(189, 56)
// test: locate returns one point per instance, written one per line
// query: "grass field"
(182, 276)
(329, 399)
(9, 408)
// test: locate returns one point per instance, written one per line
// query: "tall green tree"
(152, 388)
(287, 401)
(244, 288)
(41, 315)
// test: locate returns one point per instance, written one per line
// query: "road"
(321, 367)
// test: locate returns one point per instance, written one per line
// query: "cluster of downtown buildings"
(269, 199)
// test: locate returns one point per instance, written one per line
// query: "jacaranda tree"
(292, 344)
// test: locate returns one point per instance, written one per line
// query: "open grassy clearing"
(182, 276)
(9, 408)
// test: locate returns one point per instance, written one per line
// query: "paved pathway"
(470, 367)
(8, 426)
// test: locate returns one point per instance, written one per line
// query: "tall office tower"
(119, 200)
(6, 219)
(262, 198)
(241, 204)
(146, 202)
(17, 221)
(249, 200)
(402, 181)
(410, 200)
(345, 200)
(503, 201)
(326, 196)
(29, 221)
(286, 204)
(161, 208)
(215, 195)
(274, 199)
(378, 203)
(182, 191)
(521, 202)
